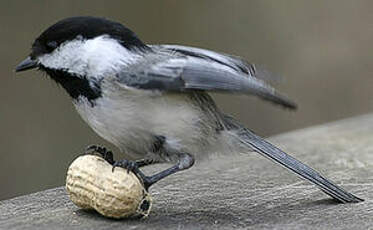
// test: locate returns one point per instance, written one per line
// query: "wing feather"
(172, 68)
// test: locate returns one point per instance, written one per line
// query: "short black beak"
(26, 64)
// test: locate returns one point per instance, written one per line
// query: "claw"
(133, 167)
(126, 164)
(91, 149)
(106, 154)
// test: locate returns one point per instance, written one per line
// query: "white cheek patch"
(95, 57)
(63, 57)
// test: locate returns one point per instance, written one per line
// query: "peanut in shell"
(92, 184)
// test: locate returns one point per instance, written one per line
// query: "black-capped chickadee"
(152, 101)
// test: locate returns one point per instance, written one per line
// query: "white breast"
(129, 118)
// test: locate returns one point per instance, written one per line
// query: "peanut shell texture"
(92, 184)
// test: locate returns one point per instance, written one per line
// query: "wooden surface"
(245, 192)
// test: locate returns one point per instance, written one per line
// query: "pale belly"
(130, 120)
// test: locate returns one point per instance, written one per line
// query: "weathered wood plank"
(244, 192)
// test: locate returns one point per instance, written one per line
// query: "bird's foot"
(126, 164)
(133, 167)
(105, 153)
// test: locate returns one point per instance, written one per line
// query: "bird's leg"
(185, 161)
(105, 153)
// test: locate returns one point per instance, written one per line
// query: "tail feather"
(268, 150)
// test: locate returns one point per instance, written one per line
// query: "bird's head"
(82, 48)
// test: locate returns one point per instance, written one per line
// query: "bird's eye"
(52, 44)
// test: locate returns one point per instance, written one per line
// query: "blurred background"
(323, 50)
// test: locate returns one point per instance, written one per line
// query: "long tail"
(268, 150)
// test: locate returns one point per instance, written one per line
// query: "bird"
(153, 101)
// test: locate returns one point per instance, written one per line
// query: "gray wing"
(234, 62)
(180, 68)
